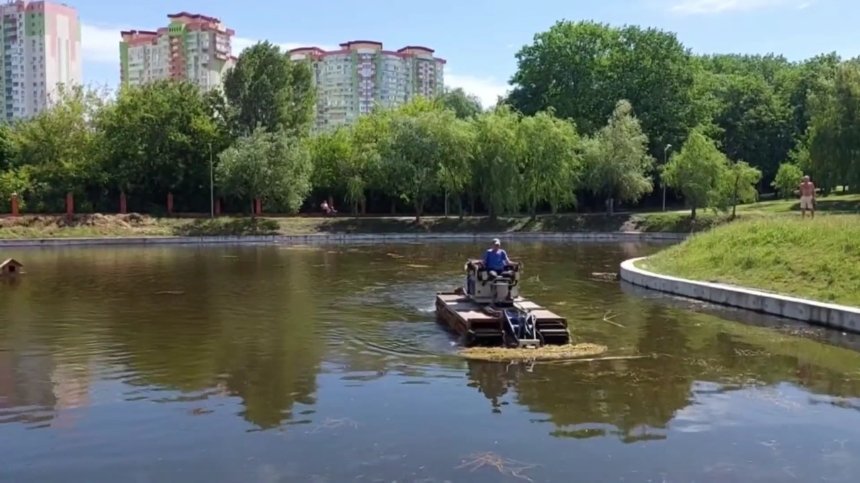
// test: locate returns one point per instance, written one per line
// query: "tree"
(332, 153)
(465, 106)
(7, 148)
(581, 69)
(497, 152)
(739, 185)
(755, 122)
(270, 166)
(617, 163)
(787, 179)
(424, 143)
(455, 170)
(550, 165)
(698, 172)
(266, 89)
(158, 139)
(834, 132)
(57, 148)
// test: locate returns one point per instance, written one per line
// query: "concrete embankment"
(819, 313)
(325, 238)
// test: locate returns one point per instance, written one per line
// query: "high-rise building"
(195, 48)
(361, 75)
(41, 50)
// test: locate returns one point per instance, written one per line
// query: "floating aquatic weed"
(504, 466)
(330, 424)
(545, 353)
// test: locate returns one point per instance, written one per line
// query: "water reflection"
(301, 363)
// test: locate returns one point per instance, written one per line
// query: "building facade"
(362, 75)
(193, 47)
(41, 50)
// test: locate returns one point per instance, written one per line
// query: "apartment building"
(192, 47)
(41, 50)
(362, 75)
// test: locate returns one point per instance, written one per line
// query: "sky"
(480, 38)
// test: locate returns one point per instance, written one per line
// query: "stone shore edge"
(818, 313)
(327, 238)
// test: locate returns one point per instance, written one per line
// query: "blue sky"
(480, 37)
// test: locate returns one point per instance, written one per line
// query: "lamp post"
(211, 185)
(663, 181)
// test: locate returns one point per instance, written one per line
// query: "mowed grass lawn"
(817, 259)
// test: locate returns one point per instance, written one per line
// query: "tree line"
(598, 115)
(782, 118)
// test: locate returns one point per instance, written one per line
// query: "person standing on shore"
(807, 197)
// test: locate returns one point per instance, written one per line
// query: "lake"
(325, 364)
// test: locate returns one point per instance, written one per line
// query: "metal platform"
(481, 324)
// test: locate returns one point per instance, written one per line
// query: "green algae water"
(325, 364)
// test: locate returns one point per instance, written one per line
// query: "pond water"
(272, 363)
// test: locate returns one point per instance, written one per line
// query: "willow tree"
(497, 150)
(617, 163)
(422, 146)
(455, 170)
(739, 185)
(550, 165)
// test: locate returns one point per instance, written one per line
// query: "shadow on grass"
(833, 205)
(228, 227)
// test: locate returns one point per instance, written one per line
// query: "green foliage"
(57, 149)
(14, 181)
(739, 185)
(834, 131)
(464, 105)
(158, 139)
(551, 164)
(698, 172)
(270, 166)
(617, 163)
(496, 153)
(581, 69)
(266, 89)
(525, 153)
(787, 179)
(424, 143)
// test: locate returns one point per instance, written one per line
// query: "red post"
(218, 207)
(123, 204)
(169, 203)
(259, 206)
(14, 204)
(70, 205)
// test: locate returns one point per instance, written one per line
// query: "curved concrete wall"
(348, 238)
(819, 313)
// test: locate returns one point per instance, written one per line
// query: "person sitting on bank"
(496, 260)
(327, 209)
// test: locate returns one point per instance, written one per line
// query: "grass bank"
(816, 259)
(47, 226)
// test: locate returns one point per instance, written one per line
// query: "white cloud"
(487, 89)
(693, 7)
(100, 44)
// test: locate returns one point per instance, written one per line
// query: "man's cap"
(496, 241)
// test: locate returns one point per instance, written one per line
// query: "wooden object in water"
(10, 267)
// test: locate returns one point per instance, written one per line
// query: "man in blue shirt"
(496, 259)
